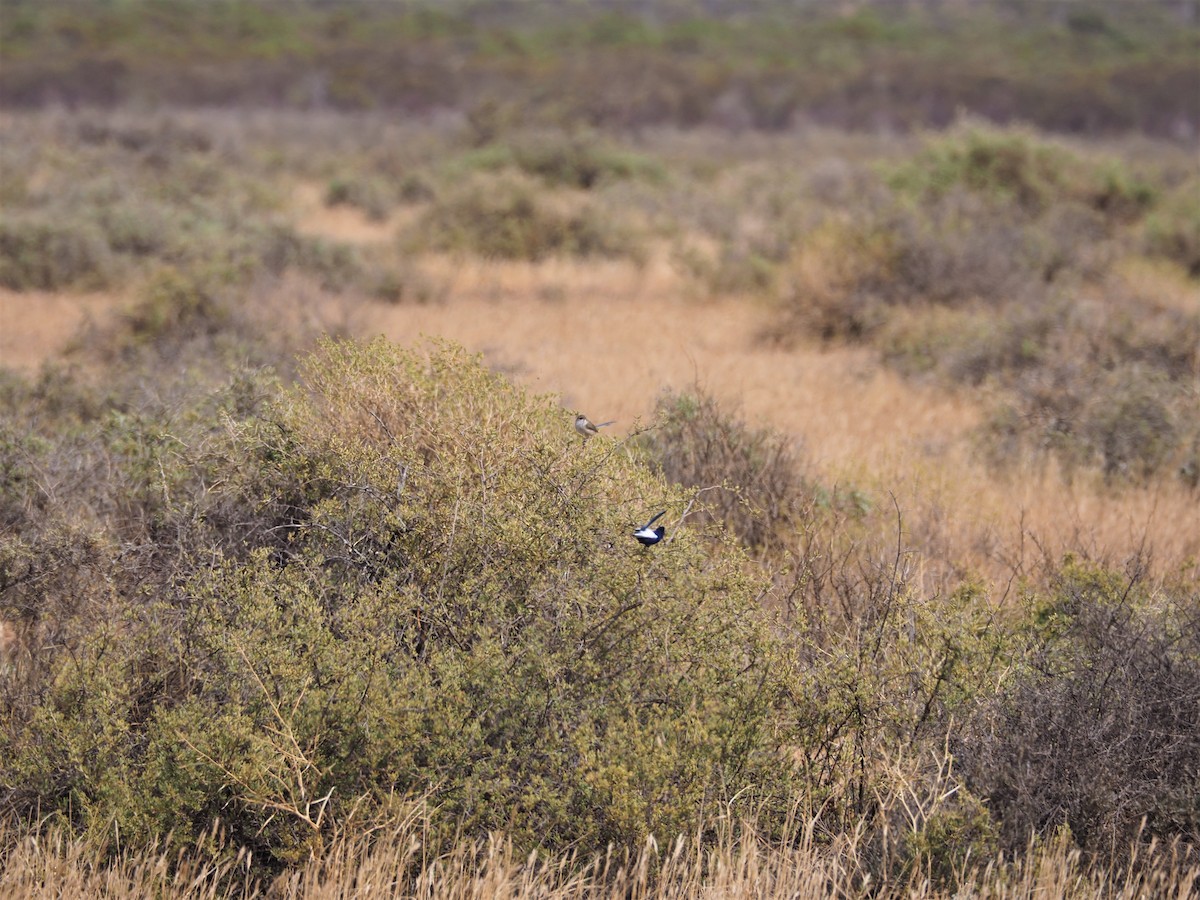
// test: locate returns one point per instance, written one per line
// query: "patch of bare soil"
(36, 326)
(345, 224)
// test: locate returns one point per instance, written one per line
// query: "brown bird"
(585, 427)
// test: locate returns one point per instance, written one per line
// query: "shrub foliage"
(254, 610)
(1095, 733)
(405, 578)
(290, 609)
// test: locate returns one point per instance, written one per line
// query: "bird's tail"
(611, 422)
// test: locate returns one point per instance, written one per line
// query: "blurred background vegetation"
(1084, 67)
(283, 611)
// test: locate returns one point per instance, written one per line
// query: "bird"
(585, 427)
(646, 535)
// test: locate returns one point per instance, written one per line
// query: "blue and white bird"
(646, 535)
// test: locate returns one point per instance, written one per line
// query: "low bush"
(406, 578)
(1173, 229)
(751, 478)
(969, 346)
(980, 216)
(734, 270)
(1095, 732)
(847, 278)
(277, 248)
(371, 195)
(155, 138)
(39, 252)
(561, 161)
(957, 250)
(1011, 166)
(507, 218)
(142, 228)
(1016, 166)
(174, 308)
(1130, 422)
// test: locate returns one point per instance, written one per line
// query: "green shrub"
(1129, 422)
(405, 283)
(1173, 229)
(140, 228)
(955, 835)
(884, 672)
(40, 253)
(1009, 165)
(158, 139)
(560, 161)
(1131, 425)
(956, 250)
(970, 346)
(1119, 194)
(239, 255)
(507, 218)
(735, 270)
(1016, 166)
(407, 577)
(370, 195)
(19, 454)
(174, 307)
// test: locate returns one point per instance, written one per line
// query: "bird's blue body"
(647, 536)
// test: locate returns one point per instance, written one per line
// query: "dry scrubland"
(291, 609)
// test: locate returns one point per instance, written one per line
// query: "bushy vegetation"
(507, 218)
(47, 255)
(1097, 67)
(405, 579)
(280, 615)
(292, 609)
(1173, 230)
(998, 257)
(115, 199)
(581, 161)
(1093, 732)
(750, 476)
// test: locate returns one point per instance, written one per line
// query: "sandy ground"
(36, 326)
(339, 223)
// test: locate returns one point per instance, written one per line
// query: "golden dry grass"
(394, 860)
(609, 337)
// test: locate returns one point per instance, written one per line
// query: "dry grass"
(346, 224)
(35, 326)
(394, 860)
(608, 337)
